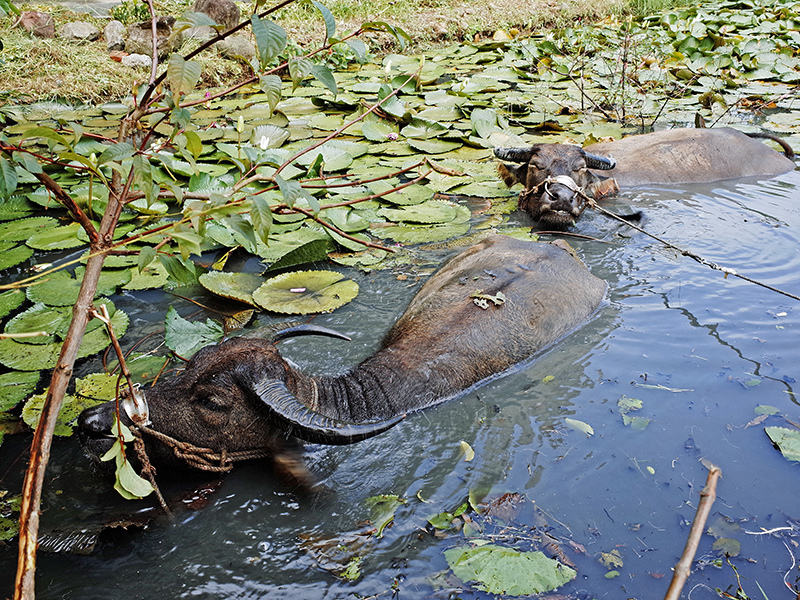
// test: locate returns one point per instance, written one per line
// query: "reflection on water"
(700, 351)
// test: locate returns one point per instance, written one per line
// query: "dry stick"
(692, 255)
(683, 568)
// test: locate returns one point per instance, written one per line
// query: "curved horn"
(593, 161)
(520, 155)
(307, 330)
(300, 421)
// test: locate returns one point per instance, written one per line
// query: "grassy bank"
(35, 69)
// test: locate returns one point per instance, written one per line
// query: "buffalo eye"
(210, 403)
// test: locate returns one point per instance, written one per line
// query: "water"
(699, 350)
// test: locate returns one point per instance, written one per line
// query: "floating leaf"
(57, 238)
(237, 286)
(153, 276)
(500, 570)
(15, 386)
(382, 509)
(580, 426)
(22, 229)
(71, 407)
(185, 338)
(313, 251)
(49, 319)
(787, 441)
(101, 387)
(13, 257)
(611, 560)
(305, 292)
(469, 453)
(727, 547)
(10, 300)
(765, 409)
(432, 211)
(433, 146)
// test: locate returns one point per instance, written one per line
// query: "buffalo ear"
(511, 174)
(296, 419)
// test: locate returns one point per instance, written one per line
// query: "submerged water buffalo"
(555, 176)
(241, 395)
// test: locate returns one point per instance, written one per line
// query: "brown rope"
(205, 459)
(148, 470)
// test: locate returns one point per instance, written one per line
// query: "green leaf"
(261, 217)
(433, 211)
(765, 409)
(182, 75)
(14, 256)
(129, 484)
(57, 238)
(359, 48)
(271, 85)
(500, 570)
(325, 76)
(47, 133)
(116, 152)
(330, 22)
(727, 547)
(378, 131)
(270, 39)
(185, 338)
(10, 300)
(237, 286)
(71, 407)
(579, 426)
(787, 441)
(299, 68)
(146, 256)
(305, 292)
(22, 229)
(8, 178)
(382, 509)
(15, 386)
(313, 251)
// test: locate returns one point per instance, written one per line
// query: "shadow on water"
(699, 350)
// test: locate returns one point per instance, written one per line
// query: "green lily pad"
(433, 211)
(787, 441)
(101, 387)
(237, 286)
(57, 238)
(304, 292)
(50, 319)
(378, 131)
(10, 300)
(419, 234)
(434, 146)
(500, 570)
(71, 407)
(61, 288)
(32, 357)
(15, 208)
(15, 386)
(152, 277)
(413, 194)
(20, 230)
(14, 256)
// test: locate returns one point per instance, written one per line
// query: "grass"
(35, 69)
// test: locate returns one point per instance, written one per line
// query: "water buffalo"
(490, 307)
(555, 176)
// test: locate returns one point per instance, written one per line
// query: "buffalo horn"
(302, 422)
(520, 155)
(593, 161)
(307, 330)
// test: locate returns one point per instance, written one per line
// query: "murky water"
(699, 350)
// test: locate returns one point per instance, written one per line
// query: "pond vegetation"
(326, 156)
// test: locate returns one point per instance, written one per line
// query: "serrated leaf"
(14, 256)
(15, 386)
(433, 211)
(71, 407)
(57, 238)
(305, 292)
(22, 229)
(185, 338)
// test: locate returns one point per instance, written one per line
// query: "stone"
(224, 12)
(237, 47)
(79, 31)
(136, 60)
(114, 35)
(140, 39)
(38, 23)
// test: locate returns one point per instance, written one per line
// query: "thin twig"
(683, 568)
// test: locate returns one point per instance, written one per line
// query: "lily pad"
(500, 570)
(10, 300)
(71, 407)
(419, 234)
(787, 441)
(15, 386)
(14, 256)
(32, 357)
(15, 207)
(57, 238)
(22, 229)
(305, 292)
(153, 276)
(49, 319)
(434, 146)
(433, 211)
(237, 286)
(61, 288)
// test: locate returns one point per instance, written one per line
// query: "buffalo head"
(556, 178)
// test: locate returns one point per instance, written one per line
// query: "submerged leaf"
(787, 441)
